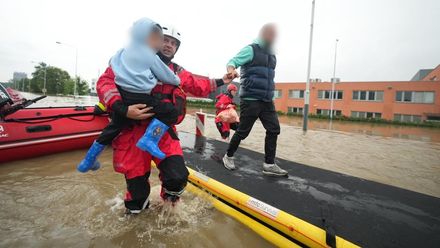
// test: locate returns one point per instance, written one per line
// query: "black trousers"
(223, 132)
(250, 111)
(173, 174)
(163, 111)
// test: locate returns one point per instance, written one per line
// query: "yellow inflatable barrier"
(257, 227)
(299, 230)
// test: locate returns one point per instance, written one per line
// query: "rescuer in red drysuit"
(224, 102)
(134, 163)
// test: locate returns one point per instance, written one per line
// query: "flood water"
(46, 203)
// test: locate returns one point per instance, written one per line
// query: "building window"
(379, 96)
(325, 94)
(295, 110)
(296, 94)
(327, 112)
(407, 118)
(368, 95)
(277, 94)
(355, 95)
(366, 115)
(415, 96)
(407, 96)
(338, 95)
(363, 95)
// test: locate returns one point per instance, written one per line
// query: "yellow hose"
(259, 228)
(294, 227)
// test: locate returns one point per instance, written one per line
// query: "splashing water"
(46, 203)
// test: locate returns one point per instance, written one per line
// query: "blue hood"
(131, 64)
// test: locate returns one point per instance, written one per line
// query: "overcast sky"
(379, 39)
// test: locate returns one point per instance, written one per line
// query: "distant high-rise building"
(17, 76)
(93, 87)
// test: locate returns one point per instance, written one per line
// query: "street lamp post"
(333, 81)
(76, 65)
(45, 79)
(307, 93)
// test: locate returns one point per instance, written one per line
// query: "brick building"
(410, 101)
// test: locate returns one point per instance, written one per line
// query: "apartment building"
(409, 101)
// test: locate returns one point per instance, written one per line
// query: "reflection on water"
(46, 203)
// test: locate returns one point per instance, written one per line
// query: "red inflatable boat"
(30, 132)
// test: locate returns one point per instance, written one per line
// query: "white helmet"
(172, 31)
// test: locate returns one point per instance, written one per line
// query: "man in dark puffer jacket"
(257, 63)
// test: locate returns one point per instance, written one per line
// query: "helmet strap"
(165, 59)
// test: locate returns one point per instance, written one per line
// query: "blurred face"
(233, 92)
(169, 47)
(269, 34)
(155, 41)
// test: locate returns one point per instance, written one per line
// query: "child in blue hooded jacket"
(137, 71)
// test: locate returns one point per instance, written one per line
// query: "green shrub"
(369, 120)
